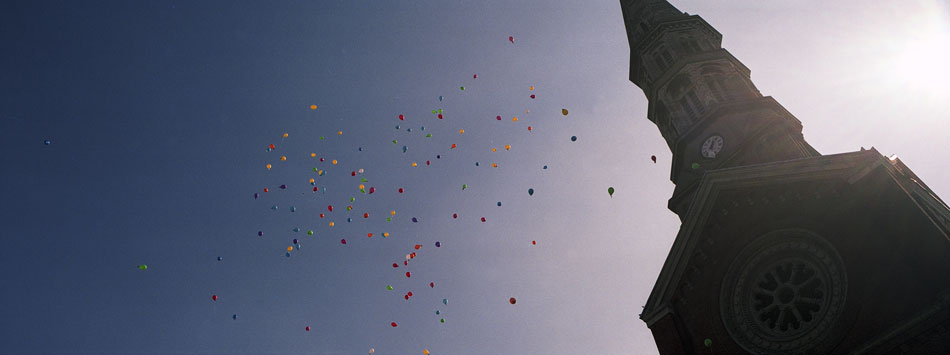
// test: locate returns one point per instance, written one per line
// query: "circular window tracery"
(783, 292)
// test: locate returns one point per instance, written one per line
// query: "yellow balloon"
(290, 248)
(340, 133)
(285, 135)
(313, 107)
(564, 111)
(392, 213)
(331, 224)
(334, 162)
(313, 155)
(507, 146)
(268, 166)
(362, 187)
(494, 150)
(386, 235)
(311, 180)
(531, 88)
(319, 172)
(514, 119)
(413, 164)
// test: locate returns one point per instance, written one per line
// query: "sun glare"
(923, 64)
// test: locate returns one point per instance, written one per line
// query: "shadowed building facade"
(782, 250)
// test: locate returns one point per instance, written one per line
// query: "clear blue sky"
(159, 114)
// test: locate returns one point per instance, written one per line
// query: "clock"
(712, 146)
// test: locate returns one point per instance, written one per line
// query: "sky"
(159, 115)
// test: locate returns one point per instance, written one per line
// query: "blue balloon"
(234, 317)
(404, 149)
(476, 163)
(438, 244)
(47, 142)
(530, 192)
(499, 203)
(293, 209)
(423, 128)
(349, 220)
(573, 138)
(287, 254)
(440, 97)
(219, 258)
(296, 229)
(545, 167)
(274, 207)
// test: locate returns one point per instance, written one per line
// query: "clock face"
(712, 146)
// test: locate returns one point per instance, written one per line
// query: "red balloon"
(395, 265)
(475, 76)
(321, 215)
(440, 116)
(321, 158)
(534, 242)
(214, 297)
(406, 262)
(432, 285)
(272, 146)
(511, 39)
(512, 300)
(393, 324)
(653, 157)
(266, 189)
(418, 246)
(343, 241)
(365, 214)
(529, 128)
(410, 293)
(532, 96)
(455, 215)
(315, 189)
(308, 328)
(406, 297)
(402, 118)
(427, 162)
(369, 235)
(372, 189)
(498, 118)
(400, 190)
(353, 173)
(330, 208)
(483, 219)
(408, 274)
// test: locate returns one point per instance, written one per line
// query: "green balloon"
(429, 135)
(610, 190)
(389, 287)
(354, 198)
(309, 232)
(464, 186)
(394, 141)
(695, 166)
(463, 88)
(389, 219)
(442, 320)
(707, 342)
(143, 267)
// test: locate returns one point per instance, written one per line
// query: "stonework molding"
(784, 293)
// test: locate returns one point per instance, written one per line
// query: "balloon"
(438, 156)
(414, 220)
(219, 258)
(440, 97)
(417, 246)
(564, 111)
(285, 135)
(321, 215)
(707, 342)
(313, 155)
(529, 128)
(402, 118)
(310, 232)
(386, 235)
(461, 131)
(334, 162)
(312, 181)
(388, 287)
(365, 214)
(455, 215)
(483, 219)
(393, 212)
(512, 300)
(313, 107)
(47, 142)
(432, 285)
(274, 207)
(511, 39)
(331, 224)
(462, 87)
(268, 166)
(349, 208)
(695, 166)
(234, 316)
(442, 320)
(445, 301)
(534, 242)
(143, 267)
(499, 203)
(440, 116)
(272, 146)
(256, 195)
(392, 324)
(295, 241)
(260, 233)
(409, 294)
(427, 162)
(425, 351)
(266, 189)
(573, 138)
(214, 297)
(339, 133)
(343, 241)
(532, 96)
(404, 149)
(530, 192)
(437, 312)
(395, 265)
(408, 274)
(283, 187)
(371, 350)
(464, 186)
(514, 119)
(494, 150)
(610, 191)
(293, 209)
(330, 208)
(414, 164)
(438, 244)
(287, 254)
(307, 328)
(372, 189)
(494, 165)
(453, 146)
(360, 171)
(476, 163)
(653, 158)
(545, 167)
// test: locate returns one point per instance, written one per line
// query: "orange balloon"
(334, 162)
(461, 131)
(268, 166)
(313, 107)
(283, 158)
(313, 155)
(514, 119)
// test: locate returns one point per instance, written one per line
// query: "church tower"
(781, 249)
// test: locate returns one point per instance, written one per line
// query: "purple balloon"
(438, 244)
(414, 220)
(260, 233)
